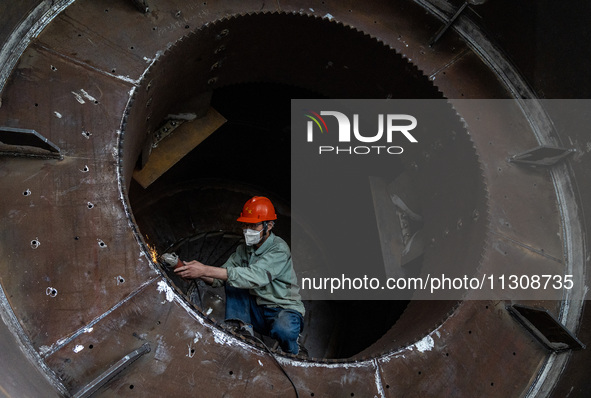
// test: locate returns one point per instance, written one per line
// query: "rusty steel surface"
(76, 274)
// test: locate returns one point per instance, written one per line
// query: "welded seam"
(378, 379)
(120, 183)
(525, 246)
(541, 386)
(449, 64)
(66, 340)
(542, 127)
(85, 65)
(25, 345)
(28, 30)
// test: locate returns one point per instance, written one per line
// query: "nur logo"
(391, 124)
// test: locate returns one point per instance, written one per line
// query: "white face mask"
(251, 236)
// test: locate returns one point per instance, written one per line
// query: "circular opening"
(191, 209)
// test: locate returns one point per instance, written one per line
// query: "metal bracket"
(24, 142)
(546, 328)
(100, 381)
(449, 23)
(542, 156)
(165, 131)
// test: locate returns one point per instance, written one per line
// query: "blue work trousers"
(283, 325)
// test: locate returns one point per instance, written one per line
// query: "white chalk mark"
(87, 96)
(163, 287)
(78, 97)
(191, 353)
(426, 344)
(197, 337)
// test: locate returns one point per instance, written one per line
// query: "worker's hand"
(191, 270)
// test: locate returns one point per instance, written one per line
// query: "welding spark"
(153, 253)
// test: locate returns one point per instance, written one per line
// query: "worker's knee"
(286, 328)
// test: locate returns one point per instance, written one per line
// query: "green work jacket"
(267, 272)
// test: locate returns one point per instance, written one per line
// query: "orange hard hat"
(257, 209)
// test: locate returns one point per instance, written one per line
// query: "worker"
(262, 293)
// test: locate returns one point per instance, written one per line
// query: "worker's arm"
(195, 269)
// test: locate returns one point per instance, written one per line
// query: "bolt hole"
(27, 193)
(420, 372)
(76, 238)
(186, 26)
(154, 28)
(469, 331)
(96, 102)
(231, 373)
(387, 385)
(53, 68)
(85, 169)
(90, 347)
(121, 280)
(492, 384)
(35, 243)
(447, 354)
(102, 244)
(131, 386)
(36, 104)
(158, 323)
(514, 353)
(79, 34)
(107, 10)
(90, 205)
(192, 351)
(131, 47)
(311, 394)
(486, 307)
(112, 70)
